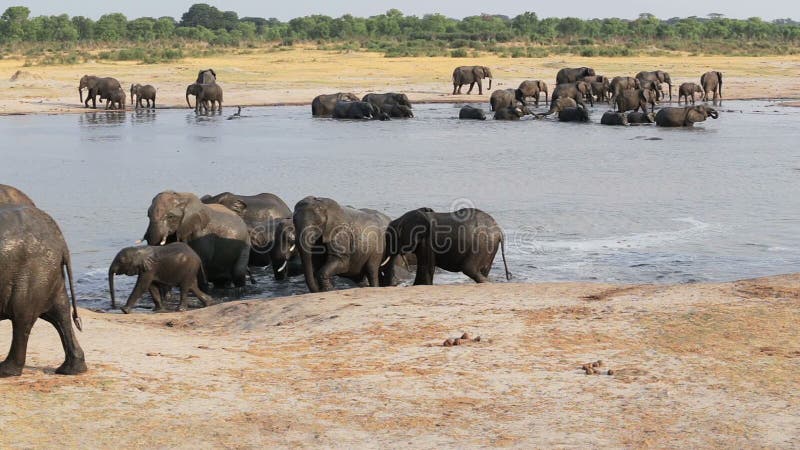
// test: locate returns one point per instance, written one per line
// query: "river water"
(579, 202)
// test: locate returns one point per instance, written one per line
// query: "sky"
(285, 10)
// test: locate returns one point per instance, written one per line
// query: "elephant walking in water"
(470, 75)
(532, 88)
(712, 84)
(684, 117)
(322, 105)
(506, 98)
(657, 75)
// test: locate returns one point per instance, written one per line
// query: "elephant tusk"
(386, 261)
(163, 241)
(291, 249)
(138, 241)
(283, 266)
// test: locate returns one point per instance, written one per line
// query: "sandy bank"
(296, 76)
(699, 365)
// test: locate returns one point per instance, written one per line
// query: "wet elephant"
(684, 117)
(322, 105)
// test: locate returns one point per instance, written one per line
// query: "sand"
(695, 365)
(296, 76)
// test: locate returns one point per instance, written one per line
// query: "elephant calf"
(141, 93)
(684, 117)
(687, 91)
(395, 110)
(614, 118)
(532, 88)
(471, 112)
(511, 113)
(159, 269)
(506, 98)
(115, 99)
(573, 115)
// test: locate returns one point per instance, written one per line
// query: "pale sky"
(284, 10)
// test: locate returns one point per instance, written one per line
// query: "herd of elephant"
(575, 86)
(194, 241)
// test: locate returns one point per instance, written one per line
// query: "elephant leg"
(202, 296)
(15, 361)
(158, 299)
(184, 304)
(471, 85)
(240, 270)
(59, 317)
(373, 274)
(475, 274)
(454, 89)
(141, 286)
(325, 274)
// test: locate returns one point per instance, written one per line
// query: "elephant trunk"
(80, 94)
(187, 99)
(490, 84)
(111, 272)
(305, 247)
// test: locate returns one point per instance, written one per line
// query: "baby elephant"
(471, 112)
(115, 99)
(139, 93)
(159, 269)
(614, 118)
(395, 110)
(638, 117)
(573, 115)
(511, 113)
(687, 91)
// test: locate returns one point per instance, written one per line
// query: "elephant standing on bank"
(465, 241)
(255, 211)
(140, 93)
(571, 75)
(506, 98)
(217, 234)
(470, 75)
(96, 86)
(533, 88)
(712, 84)
(159, 268)
(33, 285)
(687, 91)
(322, 105)
(684, 117)
(657, 75)
(338, 240)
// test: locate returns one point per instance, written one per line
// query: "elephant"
(357, 110)
(653, 85)
(614, 118)
(600, 90)
(283, 248)
(571, 75)
(464, 241)
(255, 211)
(684, 117)
(205, 96)
(558, 104)
(470, 75)
(379, 101)
(9, 195)
(506, 98)
(207, 76)
(578, 114)
(638, 118)
(96, 86)
(217, 234)
(471, 112)
(33, 285)
(659, 76)
(532, 88)
(511, 113)
(159, 268)
(338, 240)
(577, 91)
(633, 99)
(322, 105)
(139, 93)
(687, 91)
(115, 99)
(619, 84)
(564, 91)
(585, 89)
(395, 110)
(712, 83)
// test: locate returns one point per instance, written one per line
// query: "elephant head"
(284, 245)
(87, 82)
(405, 235)
(129, 261)
(484, 72)
(192, 89)
(175, 216)
(588, 71)
(311, 223)
(347, 97)
(700, 113)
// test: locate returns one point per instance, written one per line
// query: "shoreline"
(693, 365)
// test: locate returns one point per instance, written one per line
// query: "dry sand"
(695, 366)
(296, 76)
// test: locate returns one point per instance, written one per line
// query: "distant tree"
(12, 23)
(111, 27)
(85, 27)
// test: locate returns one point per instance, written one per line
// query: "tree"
(111, 27)
(85, 28)
(12, 23)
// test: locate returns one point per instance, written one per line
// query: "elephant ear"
(146, 260)
(195, 218)
(695, 115)
(238, 206)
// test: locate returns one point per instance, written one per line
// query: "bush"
(458, 53)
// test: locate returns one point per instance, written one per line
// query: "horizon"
(458, 10)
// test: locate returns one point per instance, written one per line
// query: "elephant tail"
(503, 254)
(202, 280)
(719, 75)
(67, 262)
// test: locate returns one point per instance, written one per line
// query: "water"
(578, 201)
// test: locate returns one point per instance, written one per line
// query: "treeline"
(396, 34)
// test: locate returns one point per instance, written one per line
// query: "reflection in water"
(141, 116)
(102, 118)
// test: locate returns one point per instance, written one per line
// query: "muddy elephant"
(338, 240)
(397, 111)
(255, 211)
(9, 195)
(468, 112)
(533, 88)
(578, 114)
(322, 105)
(712, 84)
(96, 86)
(614, 118)
(115, 99)
(159, 269)
(357, 110)
(506, 98)
(638, 118)
(470, 75)
(633, 99)
(206, 95)
(686, 91)
(657, 75)
(217, 234)
(571, 75)
(684, 117)
(140, 94)
(283, 249)
(511, 113)
(381, 101)
(33, 285)
(464, 241)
